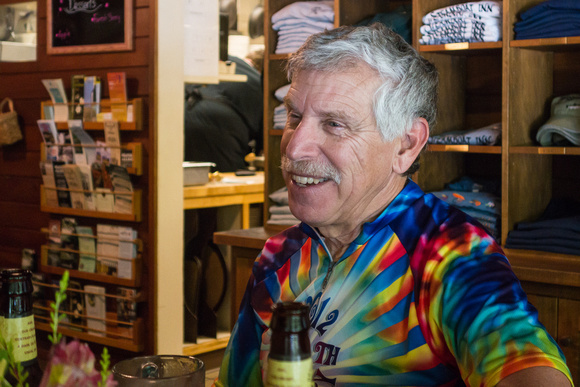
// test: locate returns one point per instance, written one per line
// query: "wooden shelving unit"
(512, 82)
(126, 335)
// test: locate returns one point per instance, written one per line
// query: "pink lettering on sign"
(109, 17)
(62, 35)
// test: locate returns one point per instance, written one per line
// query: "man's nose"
(303, 142)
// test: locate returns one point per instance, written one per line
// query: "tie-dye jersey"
(422, 297)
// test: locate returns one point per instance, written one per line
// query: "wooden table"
(231, 190)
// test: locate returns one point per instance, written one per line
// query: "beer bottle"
(18, 322)
(290, 359)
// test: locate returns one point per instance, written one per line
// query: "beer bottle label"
(22, 333)
(289, 373)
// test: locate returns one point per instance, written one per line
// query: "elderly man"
(403, 289)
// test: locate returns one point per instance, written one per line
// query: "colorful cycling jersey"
(423, 297)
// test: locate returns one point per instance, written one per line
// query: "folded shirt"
(549, 247)
(302, 26)
(488, 135)
(280, 196)
(481, 9)
(469, 184)
(544, 8)
(280, 210)
(463, 30)
(481, 201)
(313, 10)
(554, 18)
(281, 92)
(556, 232)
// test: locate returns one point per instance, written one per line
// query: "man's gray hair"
(410, 82)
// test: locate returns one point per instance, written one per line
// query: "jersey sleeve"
(477, 312)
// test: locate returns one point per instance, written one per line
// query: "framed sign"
(84, 26)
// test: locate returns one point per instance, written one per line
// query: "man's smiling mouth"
(305, 180)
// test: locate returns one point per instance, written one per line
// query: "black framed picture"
(80, 26)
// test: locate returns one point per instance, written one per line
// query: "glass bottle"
(18, 322)
(290, 359)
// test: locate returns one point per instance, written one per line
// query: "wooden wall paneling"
(530, 187)
(20, 217)
(483, 89)
(18, 188)
(439, 168)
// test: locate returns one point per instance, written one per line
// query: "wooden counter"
(231, 190)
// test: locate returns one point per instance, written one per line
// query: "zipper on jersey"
(328, 273)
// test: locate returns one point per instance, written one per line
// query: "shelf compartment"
(134, 216)
(460, 48)
(545, 150)
(133, 282)
(136, 124)
(136, 149)
(566, 43)
(464, 148)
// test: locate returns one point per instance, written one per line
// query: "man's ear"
(411, 145)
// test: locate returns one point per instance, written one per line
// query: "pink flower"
(71, 365)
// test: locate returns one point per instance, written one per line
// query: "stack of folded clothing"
(280, 212)
(550, 19)
(477, 21)
(298, 20)
(280, 111)
(488, 135)
(477, 198)
(557, 230)
(563, 127)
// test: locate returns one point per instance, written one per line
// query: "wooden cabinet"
(512, 82)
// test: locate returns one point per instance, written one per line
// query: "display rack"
(127, 335)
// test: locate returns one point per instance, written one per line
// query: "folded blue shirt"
(541, 9)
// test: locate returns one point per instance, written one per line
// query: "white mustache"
(310, 168)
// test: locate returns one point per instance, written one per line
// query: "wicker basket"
(9, 128)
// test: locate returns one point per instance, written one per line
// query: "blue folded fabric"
(543, 247)
(561, 17)
(466, 183)
(556, 232)
(481, 201)
(571, 223)
(540, 9)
